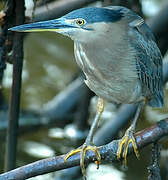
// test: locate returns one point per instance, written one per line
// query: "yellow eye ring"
(80, 22)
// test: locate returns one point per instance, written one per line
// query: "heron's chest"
(114, 63)
(109, 75)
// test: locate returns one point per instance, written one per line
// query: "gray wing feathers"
(148, 62)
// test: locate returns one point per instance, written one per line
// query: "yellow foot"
(83, 150)
(125, 141)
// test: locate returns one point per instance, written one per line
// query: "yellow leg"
(124, 143)
(88, 145)
(86, 148)
(83, 153)
(128, 138)
(100, 105)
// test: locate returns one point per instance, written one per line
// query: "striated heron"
(117, 52)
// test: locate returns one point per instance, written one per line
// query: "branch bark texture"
(108, 154)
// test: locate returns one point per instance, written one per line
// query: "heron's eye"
(80, 22)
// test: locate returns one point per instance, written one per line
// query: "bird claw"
(71, 153)
(83, 151)
(127, 139)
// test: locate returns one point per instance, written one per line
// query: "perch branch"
(108, 154)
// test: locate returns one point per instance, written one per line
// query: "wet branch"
(108, 154)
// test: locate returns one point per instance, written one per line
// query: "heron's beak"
(56, 25)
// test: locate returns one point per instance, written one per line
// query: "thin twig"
(108, 154)
(14, 107)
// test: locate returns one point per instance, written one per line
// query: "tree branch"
(108, 154)
(14, 108)
(154, 168)
(59, 8)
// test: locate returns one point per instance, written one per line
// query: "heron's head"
(80, 24)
